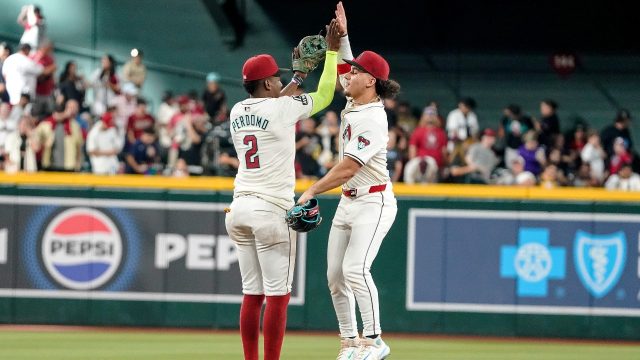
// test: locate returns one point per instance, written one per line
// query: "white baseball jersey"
(360, 223)
(365, 136)
(264, 137)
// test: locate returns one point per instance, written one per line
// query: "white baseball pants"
(266, 246)
(357, 231)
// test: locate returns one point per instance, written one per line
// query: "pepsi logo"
(81, 248)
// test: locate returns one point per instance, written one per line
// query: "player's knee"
(352, 274)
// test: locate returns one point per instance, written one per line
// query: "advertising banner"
(523, 262)
(121, 250)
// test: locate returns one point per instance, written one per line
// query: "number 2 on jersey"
(251, 157)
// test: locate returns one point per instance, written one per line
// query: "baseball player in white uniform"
(367, 207)
(263, 132)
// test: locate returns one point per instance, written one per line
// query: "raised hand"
(333, 36)
(341, 17)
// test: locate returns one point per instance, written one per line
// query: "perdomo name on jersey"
(249, 120)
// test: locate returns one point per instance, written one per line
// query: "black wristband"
(297, 79)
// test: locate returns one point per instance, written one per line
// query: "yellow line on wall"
(226, 184)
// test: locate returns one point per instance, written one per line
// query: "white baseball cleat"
(349, 349)
(373, 349)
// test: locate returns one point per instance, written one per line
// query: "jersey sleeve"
(294, 108)
(367, 139)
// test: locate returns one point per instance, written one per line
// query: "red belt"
(353, 193)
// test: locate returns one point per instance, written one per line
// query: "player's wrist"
(300, 73)
(297, 79)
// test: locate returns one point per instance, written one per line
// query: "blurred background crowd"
(54, 118)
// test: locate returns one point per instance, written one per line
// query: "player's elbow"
(349, 170)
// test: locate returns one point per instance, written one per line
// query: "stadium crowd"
(47, 123)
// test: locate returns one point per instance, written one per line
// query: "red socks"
(274, 325)
(275, 322)
(250, 324)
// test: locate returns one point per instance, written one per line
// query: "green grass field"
(161, 345)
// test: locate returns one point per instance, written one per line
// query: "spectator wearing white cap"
(214, 98)
(125, 104)
(134, 71)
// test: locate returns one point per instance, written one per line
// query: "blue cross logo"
(533, 262)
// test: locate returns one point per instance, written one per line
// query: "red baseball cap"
(107, 119)
(489, 132)
(372, 63)
(183, 100)
(260, 67)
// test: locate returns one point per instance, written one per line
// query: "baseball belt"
(357, 192)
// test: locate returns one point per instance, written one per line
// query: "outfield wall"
(140, 251)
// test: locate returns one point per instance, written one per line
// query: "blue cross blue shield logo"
(599, 260)
(533, 262)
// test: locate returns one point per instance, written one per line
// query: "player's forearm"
(345, 50)
(337, 176)
(327, 85)
(288, 90)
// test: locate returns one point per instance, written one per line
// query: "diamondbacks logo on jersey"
(346, 135)
(81, 248)
(301, 98)
(363, 142)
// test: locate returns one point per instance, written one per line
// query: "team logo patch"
(346, 135)
(81, 248)
(363, 142)
(599, 260)
(302, 99)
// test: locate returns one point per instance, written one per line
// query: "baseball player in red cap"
(367, 207)
(263, 131)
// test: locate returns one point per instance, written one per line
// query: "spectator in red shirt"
(44, 102)
(185, 106)
(139, 121)
(620, 157)
(428, 139)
